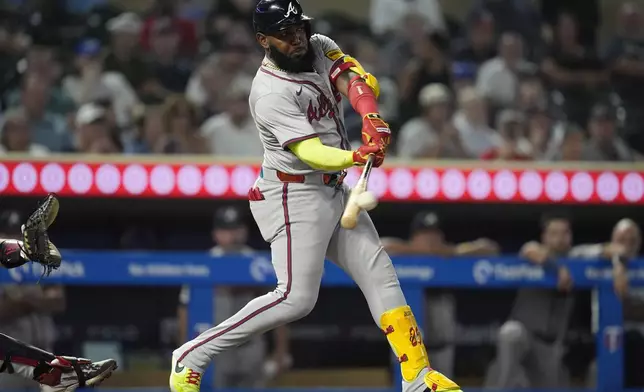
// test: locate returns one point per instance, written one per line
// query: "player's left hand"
(361, 155)
(375, 131)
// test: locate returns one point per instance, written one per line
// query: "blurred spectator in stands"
(47, 128)
(398, 46)
(498, 78)
(573, 70)
(41, 61)
(587, 12)
(124, 56)
(90, 81)
(539, 123)
(431, 135)
(428, 65)
(233, 132)
(167, 68)
(13, 44)
(386, 16)
(627, 235)
(463, 75)
(16, 136)
(166, 11)
(109, 113)
(624, 245)
(181, 121)
(93, 133)
(625, 56)
(26, 310)
(148, 130)
(480, 43)
(567, 143)
(514, 145)
(517, 16)
(471, 122)
(224, 16)
(530, 344)
(531, 93)
(97, 19)
(427, 238)
(248, 365)
(194, 10)
(212, 78)
(604, 144)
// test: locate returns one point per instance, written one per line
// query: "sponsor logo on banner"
(261, 269)
(485, 271)
(598, 273)
(419, 272)
(164, 270)
(31, 271)
(613, 338)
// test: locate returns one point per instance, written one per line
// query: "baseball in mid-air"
(367, 201)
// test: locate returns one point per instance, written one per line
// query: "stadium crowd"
(511, 81)
(514, 80)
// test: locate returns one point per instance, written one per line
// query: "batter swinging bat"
(352, 209)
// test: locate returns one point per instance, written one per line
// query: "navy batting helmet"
(274, 15)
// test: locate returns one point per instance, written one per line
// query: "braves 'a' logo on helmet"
(291, 10)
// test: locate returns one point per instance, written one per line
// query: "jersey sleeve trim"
(298, 139)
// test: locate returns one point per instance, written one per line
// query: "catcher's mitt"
(36, 244)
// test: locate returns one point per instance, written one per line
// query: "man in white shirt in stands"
(471, 122)
(498, 78)
(431, 135)
(233, 132)
(388, 15)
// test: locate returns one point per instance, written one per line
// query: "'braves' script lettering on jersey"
(291, 10)
(323, 108)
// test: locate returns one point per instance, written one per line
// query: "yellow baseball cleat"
(438, 382)
(184, 379)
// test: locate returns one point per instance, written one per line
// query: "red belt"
(334, 179)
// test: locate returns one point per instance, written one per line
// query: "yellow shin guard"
(403, 334)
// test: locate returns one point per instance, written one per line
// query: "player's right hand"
(361, 155)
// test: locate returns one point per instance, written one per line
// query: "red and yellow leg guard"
(403, 334)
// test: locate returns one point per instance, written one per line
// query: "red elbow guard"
(362, 98)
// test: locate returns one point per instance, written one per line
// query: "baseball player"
(53, 373)
(299, 198)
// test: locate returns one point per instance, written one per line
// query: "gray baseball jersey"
(291, 107)
(301, 220)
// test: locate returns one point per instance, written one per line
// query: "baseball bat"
(352, 210)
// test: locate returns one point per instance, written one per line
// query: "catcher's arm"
(35, 245)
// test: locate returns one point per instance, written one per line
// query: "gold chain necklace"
(269, 64)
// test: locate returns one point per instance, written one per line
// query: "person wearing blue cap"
(90, 82)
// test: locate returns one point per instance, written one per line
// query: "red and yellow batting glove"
(375, 131)
(361, 155)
